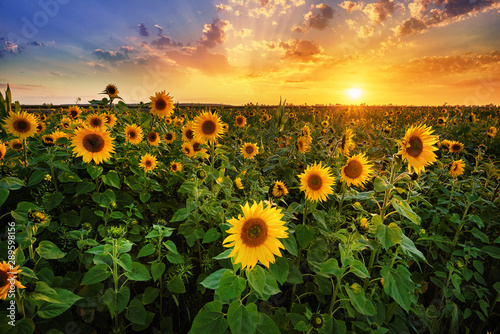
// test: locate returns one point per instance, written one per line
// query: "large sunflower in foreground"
(356, 171)
(417, 147)
(148, 162)
(8, 278)
(92, 144)
(162, 104)
(457, 168)
(21, 124)
(249, 150)
(207, 127)
(133, 134)
(254, 236)
(317, 182)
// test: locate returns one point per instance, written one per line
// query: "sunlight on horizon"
(354, 93)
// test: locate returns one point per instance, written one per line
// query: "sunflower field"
(168, 218)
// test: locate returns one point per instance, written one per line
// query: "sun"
(354, 93)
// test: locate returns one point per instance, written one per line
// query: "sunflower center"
(73, 113)
(108, 119)
(174, 167)
(3, 278)
(315, 182)
(148, 163)
(17, 146)
(93, 143)
(189, 134)
(96, 122)
(168, 136)
(132, 134)
(208, 127)
(111, 90)
(49, 140)
(239, 120)
(455, 147)
(152, 137)
(416, 147)
(353, 169)
(22, 126)
(254, 232)
(196, 147)
(249, 149)
(160, 104)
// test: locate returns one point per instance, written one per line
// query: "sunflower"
(168, 120)
(96, 121)
(457, 168)
(187, 148)
(456, 147)
(254, 236)
(238, 183)
(48, 140)
(306, 131)
(109, 120)
(133, 134)
(92, 144)
(445, 143)
(3, 150)
(178, 121)
(249, 150)
(8, 279)
(187, 132)
(162, 105)
(21, 124)
(74, 112)
(111, 90)
(356, 171)
(196, 146)
(240, 121)
(148, 162)
(207, 127)
(417, 149)
(317, 182)
(441, 121)
(154, 138)
(16, 144)
(169, 137)
(492, 132)
(303, 145)
(325, 124)
(175, 166)
(279, 189)
(346, 143)
(225, 127)
(66, 123)
(42, 117)
(40, 127)
(59, 134)
(265, 118)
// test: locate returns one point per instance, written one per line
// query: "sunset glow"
(354, 93)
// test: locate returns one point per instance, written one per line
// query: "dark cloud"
(319, 16)
(109, 55)
(410, 26)
(160, 29)
(143, 31)
(214, 33)
(378, 12)
(35, 43)
(300, 49)
(164, 42)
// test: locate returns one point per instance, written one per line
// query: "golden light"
(354, 93)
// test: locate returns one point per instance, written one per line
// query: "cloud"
(109, 55)
(199, 58)
(160, 29)
(96, 66)
(244, 32)
(215, 33)
(410, 26)
(319, 16)
(223, 8)
(143, 31)
(11, 47)
(127, 48)
(365, 31)
(378, 12)
(298, 28)
(351, 6)
(300, 50)
(21, 86)
(164, 42)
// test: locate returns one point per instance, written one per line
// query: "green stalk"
(115, 278)
(25, 153)
(344, 190)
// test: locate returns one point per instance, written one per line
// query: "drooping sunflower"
(254, 236)
(8, 279)
(279, 189)
(187, 148)
(110, 119)
(162, 104)
(21, 124)
(249, 150)
(111, 90)
(175, 166)
(74, 112)
(240, 121)
(96, 121)
(457, 168)
(3, 150)
(238, 183)
(187, 132)
(148, 162)
(303, 144)
(417, 149)
(16, 144)
(356, 171)
(154, 138)
(92, 144)
(207, 127)
(169, 137)
(317, 182)
(346, 143)
(456, 147)
(133, 134)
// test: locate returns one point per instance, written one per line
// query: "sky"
(413, 52)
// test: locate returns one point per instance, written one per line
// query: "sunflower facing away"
(8, 278)
(162, 105)
(111, 90)
(456, 147)
(207, 127)
(356, 171)
(249, 150)
(148, 162)
(133, 134)
(417, 149)
(347, 144)
(21, 124)
(457, 168)
(154, 138)
(317, 182)
(279, 189)
(92, 144)
(175, 166)
(254, 236)
(74, 112)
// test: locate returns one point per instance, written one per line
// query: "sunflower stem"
(344, 190)
(451, 193)
(25, 153)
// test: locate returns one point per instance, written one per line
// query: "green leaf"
(231, 286)
(66, 177)
(388, 235)
(191, 232)
(266, 325)
(492, 251)
(4, 194)
(211, 235)
(290, 244)
(144, 197)
(51, 310)
(213, 280)
(399, 285)
(358, 268)
(44, 292)
(294, 274)
(210, 319)
(139, 272)
(380, 184)
(257, 279)
(331, 267)
(404, 209)
(11, 183)
(358, 299)
(149, 295)
(85, 187)
(116, 300)
(176, 285)
(480, 235)
(96, 274)
(242, 319)
(36, 177)
(174, 258)
(22, 326)
(157, 269)
(94, 171)
(104, 199)
(304, 234)
(48, 250)
(125, 261)
(136, 313)
(271, 288)
(50, 201)
(179, 215)
(279, 269)
(147, 250)
(408, 248)
(70, 218)
(112, 179)
(479, 266)
(124, 245)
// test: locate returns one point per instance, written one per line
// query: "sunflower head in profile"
(356, 171)
(187, 148)
(303, 144)
(16, 144)
(169, 137)
(40, 127)
(154, 138)
(239, 183)
(133, 134)
(455, 146)
(346, 143)
(197, 146)
(8, 279)
(74, 112)
(111, 90)
(207, 127)
(3, 150)
(306, 131)
(175, 167)
(96, 121)
(66, 123)
(279, 189)
(457, 168)
(240, 121)
(162, 105)
(148, 162)
(92, 144)
(187, 132)
(417, 147)
(317, 182)
(445, 143)
(21, 124)
(249, 150)
(265, 118)
(254, 235)
(110, 120)
(492, 132)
